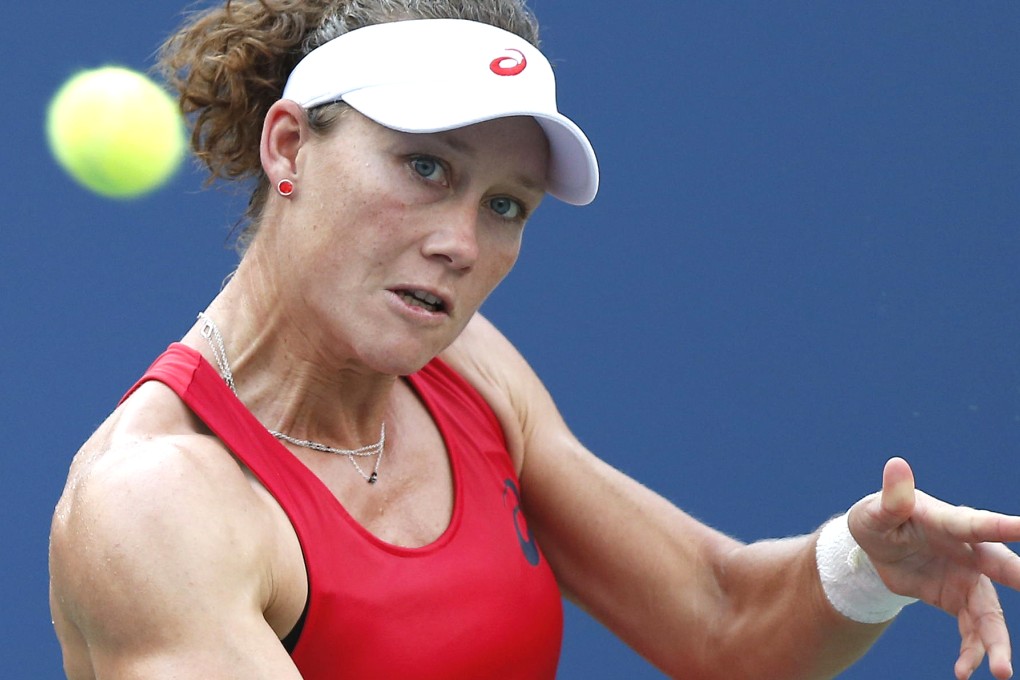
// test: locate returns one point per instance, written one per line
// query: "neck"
(280, 373)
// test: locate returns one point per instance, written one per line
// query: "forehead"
(519, 138)
(514, 144)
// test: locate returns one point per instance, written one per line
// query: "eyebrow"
(451, 140)
(530, 184)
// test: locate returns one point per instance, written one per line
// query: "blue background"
(803, 261)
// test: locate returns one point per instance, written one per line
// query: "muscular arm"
(693, 601)
(156, 571)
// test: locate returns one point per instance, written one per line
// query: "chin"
(399, 360)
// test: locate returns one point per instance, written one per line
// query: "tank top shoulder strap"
(204, 391)
(457, 406)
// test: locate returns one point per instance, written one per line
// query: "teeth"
(423, 299)
(427, 298)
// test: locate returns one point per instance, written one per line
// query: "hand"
(945, 555)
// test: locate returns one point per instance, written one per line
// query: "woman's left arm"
(699, 604)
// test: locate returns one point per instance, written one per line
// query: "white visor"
(431, 75)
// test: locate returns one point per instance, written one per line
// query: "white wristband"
(850, 581)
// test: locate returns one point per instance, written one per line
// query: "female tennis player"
(343, 471)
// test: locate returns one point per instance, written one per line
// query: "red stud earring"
(285, 187)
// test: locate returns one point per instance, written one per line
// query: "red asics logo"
(509, 65)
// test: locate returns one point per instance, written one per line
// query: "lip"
(446, 303)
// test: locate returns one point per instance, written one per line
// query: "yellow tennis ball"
(116, 131)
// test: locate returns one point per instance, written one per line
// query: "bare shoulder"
(155, 537)
(145, 474)
(482, 352)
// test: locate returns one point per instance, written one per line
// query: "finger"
(972, 652)
(970, 525)
(898, 496)
(998, 563)
(988, 622)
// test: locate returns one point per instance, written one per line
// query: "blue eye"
(506, 207)
(428, 168)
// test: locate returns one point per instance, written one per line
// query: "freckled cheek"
(511, 258)
(374, 224)
(394, 230)
(503, 258)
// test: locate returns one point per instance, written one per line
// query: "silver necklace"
(212, 334)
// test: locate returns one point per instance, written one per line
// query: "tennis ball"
(115, 131)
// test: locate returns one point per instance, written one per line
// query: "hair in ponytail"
(229, 64)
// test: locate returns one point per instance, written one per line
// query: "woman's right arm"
(160, 567)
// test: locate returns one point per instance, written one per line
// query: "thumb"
(898, 489)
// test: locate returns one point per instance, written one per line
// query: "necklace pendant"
(211, 333)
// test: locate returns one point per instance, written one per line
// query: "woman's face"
(392, 241)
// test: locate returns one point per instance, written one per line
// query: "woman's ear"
(284, 130)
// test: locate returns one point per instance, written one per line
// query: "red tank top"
(479, 602)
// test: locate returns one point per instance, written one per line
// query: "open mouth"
(422, 299)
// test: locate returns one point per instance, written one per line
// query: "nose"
(454, 239)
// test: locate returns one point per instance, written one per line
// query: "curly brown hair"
(229, 64)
